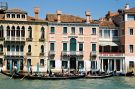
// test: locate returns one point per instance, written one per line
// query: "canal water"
(108, 83)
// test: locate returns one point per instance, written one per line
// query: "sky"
(98, 8)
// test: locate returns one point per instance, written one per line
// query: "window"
(29, 62)
(23, 31)
(51, 46)
(106, 33)
(131, 32)
(1, 48)
(42, 49)
(81, 31)
(18, 15)
(131, 64)
(81, 64)
(41, 62)
(8, 48)
(131, 17)
(64, 30)
(64, 46)
(29, 48)
(131, 48)
(17, 48)
(42, 32)
(93, 47)
(52, 64)
(115, 32)
(64, 64)
(23, 16)
(8, 15)
(8, 31)
(29, 32)
(21, 48)
(80, 46)
(13, 48)
(93, 65)
(72, 30)
(93, 31)
(1, 62)
(18, 31)
(13, 15)
(13, 31)
(52, 30)
(1, 31)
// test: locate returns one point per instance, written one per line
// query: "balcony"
(42, 39)
(1, 53)
(15, 54)
(51, 53)
(2, 38)
(93, 53)
(28, 53)
(41, 54)
(29, 39)
(14, 38)
(111, 54)
(72, 53)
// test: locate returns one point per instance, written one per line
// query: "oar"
(12, 76)
(23, 77)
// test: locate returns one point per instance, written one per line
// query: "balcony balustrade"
(14, 54)
(93, 53)
(72, 53)
(51, 53)
(14, 38)
(111, 54)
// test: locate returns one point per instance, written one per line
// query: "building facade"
(67, 42)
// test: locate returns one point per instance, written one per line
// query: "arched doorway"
(72, 44)
(72, 63)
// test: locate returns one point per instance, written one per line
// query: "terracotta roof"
(109, 24)
(29, 18)
(15, 10)
(65, 18)
(131, 10)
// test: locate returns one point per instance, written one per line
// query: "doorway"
(72, 63)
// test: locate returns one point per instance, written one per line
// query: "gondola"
(33, 77)
(98, 76)
(14, 75)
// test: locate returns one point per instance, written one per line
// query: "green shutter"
(73, 44)
(64, 46)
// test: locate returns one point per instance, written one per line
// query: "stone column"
(114, 64)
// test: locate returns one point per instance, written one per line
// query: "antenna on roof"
(3, 6)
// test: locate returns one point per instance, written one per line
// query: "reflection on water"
(108, 83)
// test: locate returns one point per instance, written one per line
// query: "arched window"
(17, 48)
(13, 31)
(8, 31)
(18, 31)
(21, 48)
(1, 48)
(1, 31)
(41, 62)
(72, 44)
(29, 48)
(42, 32)
(23, 31)
(29, 32)
(13, 48)
(42, 49)
(8, 48)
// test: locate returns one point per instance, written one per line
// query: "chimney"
(36, 11)
(126, 7)
(58, 12)
(88, 16)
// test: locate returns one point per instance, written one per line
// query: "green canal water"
(108, 83)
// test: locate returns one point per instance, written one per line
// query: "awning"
(108, 43)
